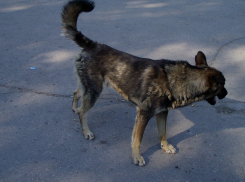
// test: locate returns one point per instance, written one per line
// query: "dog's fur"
(154, 86)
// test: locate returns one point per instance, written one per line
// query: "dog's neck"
(186, 84)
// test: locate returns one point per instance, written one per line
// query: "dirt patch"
(228, 110)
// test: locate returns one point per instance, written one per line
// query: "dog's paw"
(169, 149)
(139, 160)
(88, 135)
(76, 110)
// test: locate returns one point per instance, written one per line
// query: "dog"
(154, 86)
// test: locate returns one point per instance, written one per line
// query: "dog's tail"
(69, 18)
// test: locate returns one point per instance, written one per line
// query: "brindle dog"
(154, 86)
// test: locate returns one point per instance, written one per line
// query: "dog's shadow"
(206, 119)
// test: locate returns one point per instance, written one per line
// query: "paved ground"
(40, 137)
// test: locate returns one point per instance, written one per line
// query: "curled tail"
(69, 18)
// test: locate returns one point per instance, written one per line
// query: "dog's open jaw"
(221, 94)
(212, 100)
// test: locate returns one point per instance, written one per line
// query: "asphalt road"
(40, 136)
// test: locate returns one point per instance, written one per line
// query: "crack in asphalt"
(70, 96)
(19, 89)
(33, 91)
(220, 49)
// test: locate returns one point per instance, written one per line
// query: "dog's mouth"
(212, 100)
(221, 94)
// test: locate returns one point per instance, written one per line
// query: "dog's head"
(216, 80)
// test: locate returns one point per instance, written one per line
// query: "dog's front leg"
(142, 119)
(161, 119)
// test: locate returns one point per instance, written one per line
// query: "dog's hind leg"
(76, 98)
(161, 119)
(88, 101)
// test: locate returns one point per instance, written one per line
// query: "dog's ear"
(200, 59)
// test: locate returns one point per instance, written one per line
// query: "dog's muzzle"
(221, 94)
